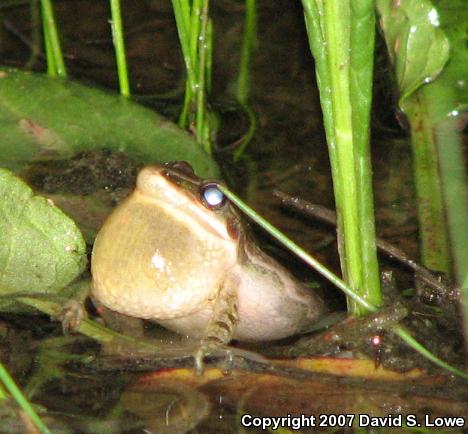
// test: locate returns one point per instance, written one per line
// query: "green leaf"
(41, 249)
(453, 82)
(44, 118)
(417, 46)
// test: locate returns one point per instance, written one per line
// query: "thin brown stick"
(328, 216)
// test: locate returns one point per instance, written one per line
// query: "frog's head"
(199, 202)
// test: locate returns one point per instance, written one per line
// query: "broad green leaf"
(452, 98)
(417, 46)
(41, 249)
(44, 118)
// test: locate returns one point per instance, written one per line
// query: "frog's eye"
(211, 196)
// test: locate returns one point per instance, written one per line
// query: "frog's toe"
(199, 363)
(71, 315)
(199, 358)
(216, 350)
(227, 357)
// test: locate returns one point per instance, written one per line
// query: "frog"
(177, 252)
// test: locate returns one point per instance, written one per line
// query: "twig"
(328, 216)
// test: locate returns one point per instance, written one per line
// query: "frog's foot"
(71, 315)
(213, 349)
(228, 355)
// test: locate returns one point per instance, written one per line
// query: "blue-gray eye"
(212, 196)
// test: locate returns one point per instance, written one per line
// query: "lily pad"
(41, 249)
(42, 118)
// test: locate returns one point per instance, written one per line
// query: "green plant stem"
(361, 79)
(35, 34)
(201, 119)
(193, 42)
(249, 134)
(248, 41)
(341, 151)
(86, 327)
(209, 56)
(427, 63)
(431, 213)
(183, 118)
(451, 160)
(51, 67)
(16, 393)
(52, 42)
(405, 335)
(341, 37)
(195, 34)
(307, 258)
(243, 78)
(426, 42)
(119, 46)
(182, 15)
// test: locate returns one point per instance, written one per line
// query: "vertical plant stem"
(426, 42)
(248, 40)
(209, 56)
(421, 53)
(119, 46)
(361, 79)
(51, 67)
(195, 34)
(201, 124)
(35, 34)
(431, 213)
(195, 23)
(182, 14)
(243, 78)
(454, 177)
(183, 118)
(341, 151)
(341, 38)
(52, 42)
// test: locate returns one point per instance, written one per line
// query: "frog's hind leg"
(220, 328)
